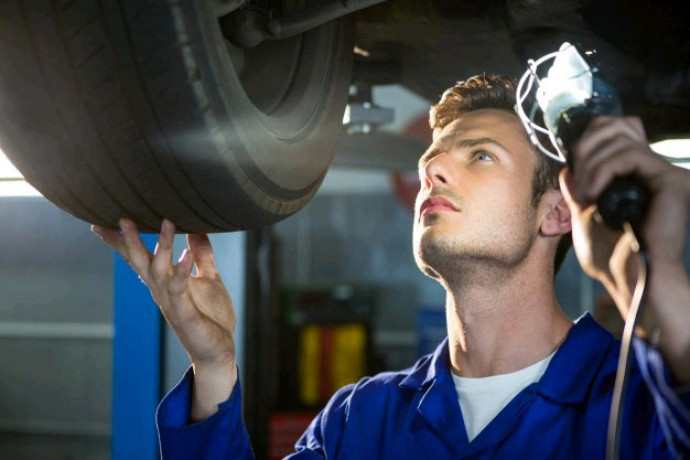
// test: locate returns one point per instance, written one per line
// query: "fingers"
(587, 166)
(112, 238)
(137, 255)
(202, 250)
(602, 130)
(611, 147)
(159, 266)
(614, 162)
(625, 161)
(162, 256)
(127, 243)
(566, 186)
(181, 272)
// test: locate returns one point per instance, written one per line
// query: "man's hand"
(610, 147)
(198, 308)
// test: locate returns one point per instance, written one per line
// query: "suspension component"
(249, 27)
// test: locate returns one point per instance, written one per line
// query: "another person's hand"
(198, 308)
(618, 146)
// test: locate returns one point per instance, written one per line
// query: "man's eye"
(482, 156)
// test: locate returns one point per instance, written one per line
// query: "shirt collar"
(577, 362)
(566, 380)
(429, 368)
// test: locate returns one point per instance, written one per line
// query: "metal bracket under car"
(249, 26)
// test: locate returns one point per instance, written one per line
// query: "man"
(515, 378)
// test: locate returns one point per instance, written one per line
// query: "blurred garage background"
(324, 297)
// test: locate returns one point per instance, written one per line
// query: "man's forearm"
(667, 313)
(212, 386)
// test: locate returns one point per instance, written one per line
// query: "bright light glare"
(17, 187)
(12, 182)
(676, 149)
(7, 169)
(569, 80)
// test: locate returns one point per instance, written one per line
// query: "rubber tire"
(135, 109)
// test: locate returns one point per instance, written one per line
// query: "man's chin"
(425, 267)
(428, 255)
(430, 272)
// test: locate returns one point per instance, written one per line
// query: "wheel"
(144, 110)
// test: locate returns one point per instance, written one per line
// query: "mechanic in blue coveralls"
(516, 378)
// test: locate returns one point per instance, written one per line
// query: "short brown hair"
(498, 92)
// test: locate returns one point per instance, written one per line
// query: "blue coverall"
(414, 414)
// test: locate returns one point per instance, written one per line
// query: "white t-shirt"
(481, 399)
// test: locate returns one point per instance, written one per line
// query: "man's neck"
(503, 325)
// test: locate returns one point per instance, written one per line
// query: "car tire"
(143, 109)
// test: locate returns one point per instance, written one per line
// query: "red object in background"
(285, 429)
(406, 184)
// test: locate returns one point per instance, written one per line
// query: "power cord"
(625, 356)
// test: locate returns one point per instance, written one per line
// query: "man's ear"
(555, 214)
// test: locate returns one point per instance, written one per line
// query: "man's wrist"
(666, 287)
(667, 312)
(213, 384)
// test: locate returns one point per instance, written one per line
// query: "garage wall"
(362, 237)
(56, 331)
(55, 334)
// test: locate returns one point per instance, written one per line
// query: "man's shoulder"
(381, 387)
(587, 364)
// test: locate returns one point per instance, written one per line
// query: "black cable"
(625, 356)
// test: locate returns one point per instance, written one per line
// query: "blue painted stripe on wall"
(136, 365)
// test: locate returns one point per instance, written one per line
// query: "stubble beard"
(488, 253)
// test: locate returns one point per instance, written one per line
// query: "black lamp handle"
(625, 199)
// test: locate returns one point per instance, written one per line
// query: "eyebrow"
(463, 144)
(467, 143)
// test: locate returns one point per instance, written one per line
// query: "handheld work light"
(567, 95)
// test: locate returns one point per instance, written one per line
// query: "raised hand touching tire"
(197, 307)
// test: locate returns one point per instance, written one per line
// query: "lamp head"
(565, 90)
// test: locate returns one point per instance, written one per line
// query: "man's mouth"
(436, 203)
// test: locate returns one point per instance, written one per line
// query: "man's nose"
(436, 171)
